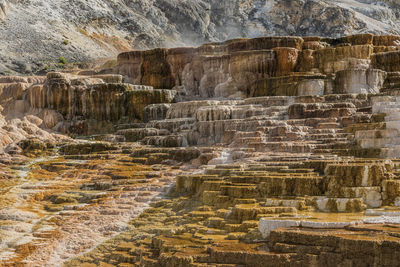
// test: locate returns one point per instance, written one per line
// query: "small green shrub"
(66, 42)
(62, 61)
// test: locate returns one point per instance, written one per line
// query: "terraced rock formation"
(274, 151)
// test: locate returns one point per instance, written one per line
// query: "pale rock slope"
(35, 33)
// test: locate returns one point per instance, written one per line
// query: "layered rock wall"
(79, 104)
(266, 66)
(101, 101)
(213, 70)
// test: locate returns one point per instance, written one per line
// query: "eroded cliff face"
(212, 70)
(81, 100)
(273, 66)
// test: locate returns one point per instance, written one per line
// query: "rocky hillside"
(36, 33)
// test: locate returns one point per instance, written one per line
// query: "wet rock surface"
(56, 208)
(248, 213)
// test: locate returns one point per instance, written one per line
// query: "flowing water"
(224, 158)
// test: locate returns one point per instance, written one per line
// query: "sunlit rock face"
(388, 61)
(212, 70)
(94, 99)
(86, 102)
(360, 81)
(274, 66)
(296, 85)
(333, 59)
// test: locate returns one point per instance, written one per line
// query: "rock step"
(312, 123)
(130, 126)
(243, 134)
(333, 141)
(344, 143)
(327, 131)
(371, 195)
(239, 190)
(171, 124)
(299, 204)
(327, 113)
(268, 177)
(327, 136)
(291, 147)
(253, 167)
(380, 133)
(365, 126)
(328, 125)
(325, 151)
(246, 140)
(327, 204)
(367, 109)
(269, 100)
(242, 227)
(278, 171)
(299, 170)
(246, 212)
(172, 140)
(229, 166)
(379, 142)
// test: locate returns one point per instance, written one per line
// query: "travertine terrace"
(273, 151)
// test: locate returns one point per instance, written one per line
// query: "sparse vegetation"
(66, 42)
(62, 61)
(109, 64)
(83, 31)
